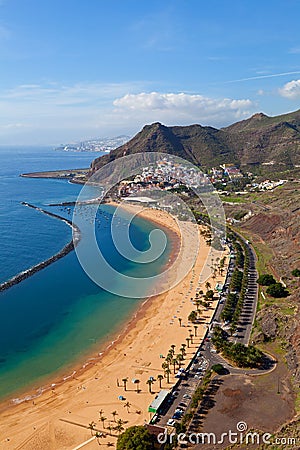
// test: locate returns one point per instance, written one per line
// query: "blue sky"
(73, 70)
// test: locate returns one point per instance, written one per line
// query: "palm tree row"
(174, 360)
(239, 281)
(118, 427)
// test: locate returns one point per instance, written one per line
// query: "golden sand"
(58, 418)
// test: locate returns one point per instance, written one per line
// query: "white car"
(171, 422)
(186, 396)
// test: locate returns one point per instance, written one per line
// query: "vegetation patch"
(135, 438)
(238, 353)
(277, 290)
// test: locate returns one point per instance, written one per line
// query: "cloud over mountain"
(181, 107)
(291, 89)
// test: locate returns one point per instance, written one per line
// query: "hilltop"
(260, 144)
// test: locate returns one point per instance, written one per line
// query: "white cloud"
(56, 94)
(54, 113)
(182, 108)
(291, 89)
(12, 126)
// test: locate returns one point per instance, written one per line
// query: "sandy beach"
(59, 418)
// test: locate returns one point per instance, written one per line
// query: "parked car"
(186, 396)
(171, 422)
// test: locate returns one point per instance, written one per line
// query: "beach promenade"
(112, 390)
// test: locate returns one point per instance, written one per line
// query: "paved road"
(184, 390)
(206, 356)
(248, 313)
(247, 316)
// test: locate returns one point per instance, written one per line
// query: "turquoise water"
(58, 315)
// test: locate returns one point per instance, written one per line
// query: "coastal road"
(206, 355)
(245, 324)
(247, 317)
(183, 391)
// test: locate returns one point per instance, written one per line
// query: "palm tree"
(125, 380)
(169, 356)
(182, 349)
(188, 342)
(165, 365)
(119, 427)
(101, 413)
(127, 405)
(180, 321)
(92, 427)
(193, 316)
(173, 348)
(137, 382)
(195, 328)
(191, 337)
(207, 285)
(160, 378)
(109, 427)
(98, 435)
(167, 374)
(114, 414)
(179, 359)
(103, 419)
(150, 382)
(174, 364)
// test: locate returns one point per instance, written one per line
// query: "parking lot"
(181, 395)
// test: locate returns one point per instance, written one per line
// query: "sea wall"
(63, 252)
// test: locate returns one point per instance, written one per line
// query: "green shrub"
(218, 368)
(135, 438)
(277, 290)
(266, 280)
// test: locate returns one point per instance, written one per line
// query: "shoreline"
(77, 176)
(16, 279)
(78, 368)
(80, 365)
(133, 353)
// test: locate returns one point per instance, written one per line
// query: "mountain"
(260, 143)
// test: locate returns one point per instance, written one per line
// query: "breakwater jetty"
(63, 252)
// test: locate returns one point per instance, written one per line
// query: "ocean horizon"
(58, 316)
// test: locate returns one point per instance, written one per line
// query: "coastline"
(72, 398)
(93, 355)
(77, 176)
(37, 267)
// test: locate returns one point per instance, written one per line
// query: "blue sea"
(58, 316)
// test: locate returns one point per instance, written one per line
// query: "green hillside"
(261, 144)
